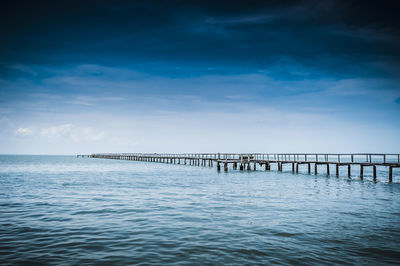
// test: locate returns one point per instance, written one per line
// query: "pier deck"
(251, 160)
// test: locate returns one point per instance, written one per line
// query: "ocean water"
(68, 210)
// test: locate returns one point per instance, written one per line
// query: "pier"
(250, 161)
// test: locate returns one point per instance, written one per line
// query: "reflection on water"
(57, 209)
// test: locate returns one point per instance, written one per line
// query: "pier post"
(218, 167)
(348, 170)
(327, 169)
(293, 167)
(337, 170)
(374, 172)
(390, 174)
(297, 168)
(361, 171)
(309, 168)
(248, 166)
(226, 167)
(255, 166)
(241, 167)
(315, 168)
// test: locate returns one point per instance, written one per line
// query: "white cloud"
(57, 131)
(24, 131)
(74, 133)
(86, 134)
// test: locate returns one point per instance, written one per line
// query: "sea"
(63, 210)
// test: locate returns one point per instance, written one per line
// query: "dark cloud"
(337, 36)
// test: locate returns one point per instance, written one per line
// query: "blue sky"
(199, 76)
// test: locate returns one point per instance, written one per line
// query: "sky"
(80, 77)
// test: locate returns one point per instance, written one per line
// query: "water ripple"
(64, 210)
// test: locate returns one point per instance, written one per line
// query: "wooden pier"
(265, 160)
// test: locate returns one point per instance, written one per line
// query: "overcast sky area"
(199, 76)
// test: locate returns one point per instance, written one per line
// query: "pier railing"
(376, 158)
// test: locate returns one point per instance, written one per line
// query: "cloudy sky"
(199, 76)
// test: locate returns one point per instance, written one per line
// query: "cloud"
(89, 100)
(57, 131)
(73, 133)
(379, 89)
(86, 134)
(242, 20)
(24, 131)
